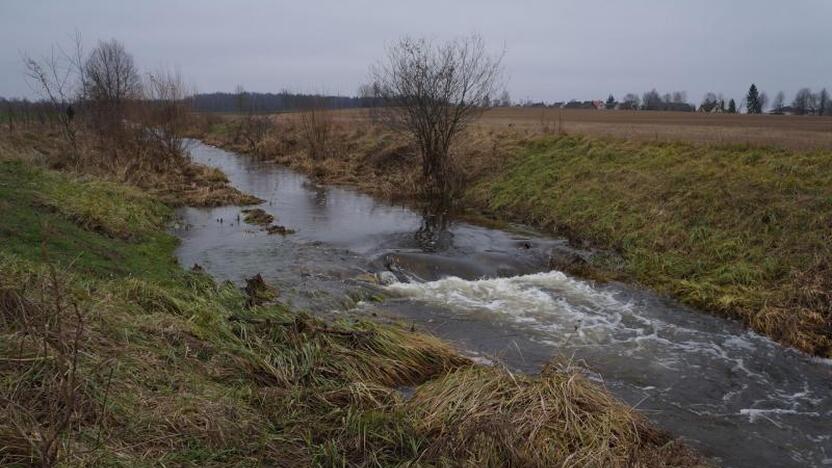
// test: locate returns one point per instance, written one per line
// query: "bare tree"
(505, 99)
(804, 102)
(9, 114)
(111, 80)
(53, 79)
(631, 101)
(779, 102)
(240, 96)
(316, 129)
(369, 94)
(433, 92)
(652, 100)
(823, 102)
(166, 100)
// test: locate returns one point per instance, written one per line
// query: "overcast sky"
(555, 50)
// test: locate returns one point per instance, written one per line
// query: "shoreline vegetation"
(734, 229)
(112, 354)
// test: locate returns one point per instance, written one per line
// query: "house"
(712, 106)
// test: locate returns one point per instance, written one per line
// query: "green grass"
(44, 212)
(189, 385)
(174, 369)
(739, 230)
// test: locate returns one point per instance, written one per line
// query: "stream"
(737, 397)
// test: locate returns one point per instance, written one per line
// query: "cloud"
(556, 50)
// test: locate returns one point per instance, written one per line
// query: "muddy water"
(732, 394)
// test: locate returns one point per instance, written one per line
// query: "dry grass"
(785, 131)
(368, 156)
(491, 417)
(176, 181)
(110, 354)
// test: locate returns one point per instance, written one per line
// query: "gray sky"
(555, 50)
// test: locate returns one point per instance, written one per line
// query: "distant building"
(712, 107)
(581, 105)
(679, 107)
(628, 105)
(785, 110)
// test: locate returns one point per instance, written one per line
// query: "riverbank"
(175, 181)
(111, 353)
(740, 231)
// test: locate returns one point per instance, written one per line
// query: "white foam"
(755, 414)
(551, 299)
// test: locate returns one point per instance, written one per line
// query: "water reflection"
(433, 234)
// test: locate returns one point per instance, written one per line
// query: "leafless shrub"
(167, 112)
(432, 92)
(40, 406)
(53, 78)
(110, 83)
(254, 128)
(316, 130)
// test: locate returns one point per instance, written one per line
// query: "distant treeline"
(271, 102)
(25, 113)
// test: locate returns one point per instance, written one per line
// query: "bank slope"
(112, 354)
(742, 231)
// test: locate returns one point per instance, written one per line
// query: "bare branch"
(433, 92)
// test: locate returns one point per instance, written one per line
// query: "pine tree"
(823, 102)
(732, 107)
(752, 100)
(610, 102)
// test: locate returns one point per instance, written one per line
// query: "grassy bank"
(111, 354)
(738, 230)
(741, 231)
(176, 181)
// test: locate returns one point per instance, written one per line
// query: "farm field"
(787, 131)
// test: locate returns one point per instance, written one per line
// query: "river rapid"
(735, 396)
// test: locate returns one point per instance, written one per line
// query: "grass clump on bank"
(740, 230)
(111, 354)
(489, 416)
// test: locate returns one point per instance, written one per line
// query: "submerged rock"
(387, 278)
(565, 259)
(368, 278)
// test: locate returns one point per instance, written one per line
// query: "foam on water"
(700, 366)
(550, 301)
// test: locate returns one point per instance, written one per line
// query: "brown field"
(787, 131)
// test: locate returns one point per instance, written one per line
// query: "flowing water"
(734, 395)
